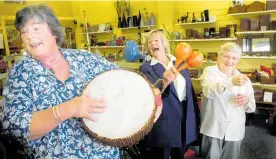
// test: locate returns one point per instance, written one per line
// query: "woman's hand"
(169, 75)
(86, 107)
(242, 100)
(158, 102)
(239, 80)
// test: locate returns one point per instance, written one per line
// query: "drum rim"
(134, 138)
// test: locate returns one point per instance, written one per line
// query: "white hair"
(229, 47)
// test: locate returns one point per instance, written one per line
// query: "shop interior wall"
(166, 13)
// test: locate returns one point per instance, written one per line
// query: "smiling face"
(155, 45)
(38, 39)
(227, 62)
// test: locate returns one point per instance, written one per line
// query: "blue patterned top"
(30, 87)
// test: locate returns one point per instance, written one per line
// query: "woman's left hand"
(158, 102)
(242, 100)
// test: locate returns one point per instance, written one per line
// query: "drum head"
(130, 111)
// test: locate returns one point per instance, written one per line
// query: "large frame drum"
(130, 111)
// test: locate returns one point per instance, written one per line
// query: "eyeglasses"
(228, 57)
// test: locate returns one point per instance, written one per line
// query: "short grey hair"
(42, 13)
(229, 47)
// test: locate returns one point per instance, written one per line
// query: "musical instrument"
(185, 57)
(130, 107)
(184, 52)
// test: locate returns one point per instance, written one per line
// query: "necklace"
(50, 68)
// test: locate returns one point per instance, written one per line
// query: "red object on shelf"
(119, 42)
(190, 154)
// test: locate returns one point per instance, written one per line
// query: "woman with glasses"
(227, 95)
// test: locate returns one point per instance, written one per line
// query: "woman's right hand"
(86, 107)
(239, 80)
(170, 75)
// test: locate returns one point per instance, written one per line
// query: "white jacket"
(220, 115)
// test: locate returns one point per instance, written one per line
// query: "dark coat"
(178, 124)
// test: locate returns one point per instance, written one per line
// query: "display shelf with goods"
(109, 47)
(259, 57)
(196, 23)
(256, 35)
(205, 40)
(256, 32)
(206, 36)
(129, 65)
(141, 27)
(256, 13)
(98, 32)
(106, 47)
(204, 33)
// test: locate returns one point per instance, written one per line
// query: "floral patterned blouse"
(30, 87)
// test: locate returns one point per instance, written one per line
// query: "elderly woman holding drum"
(43, 92)
(178, 124)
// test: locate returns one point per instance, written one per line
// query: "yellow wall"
(166, 12)
(61, 8)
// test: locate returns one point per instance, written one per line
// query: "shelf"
(264, 85)
(256, 32)
(269, 103)
(148, 26)
(99, 32)
(195, 23)
(210, 62)
(253, 13)
(129, 65)
(195, 79)
(107, 47)
(259, 57)
(11, 58)
(3, 76)
(198, 40)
